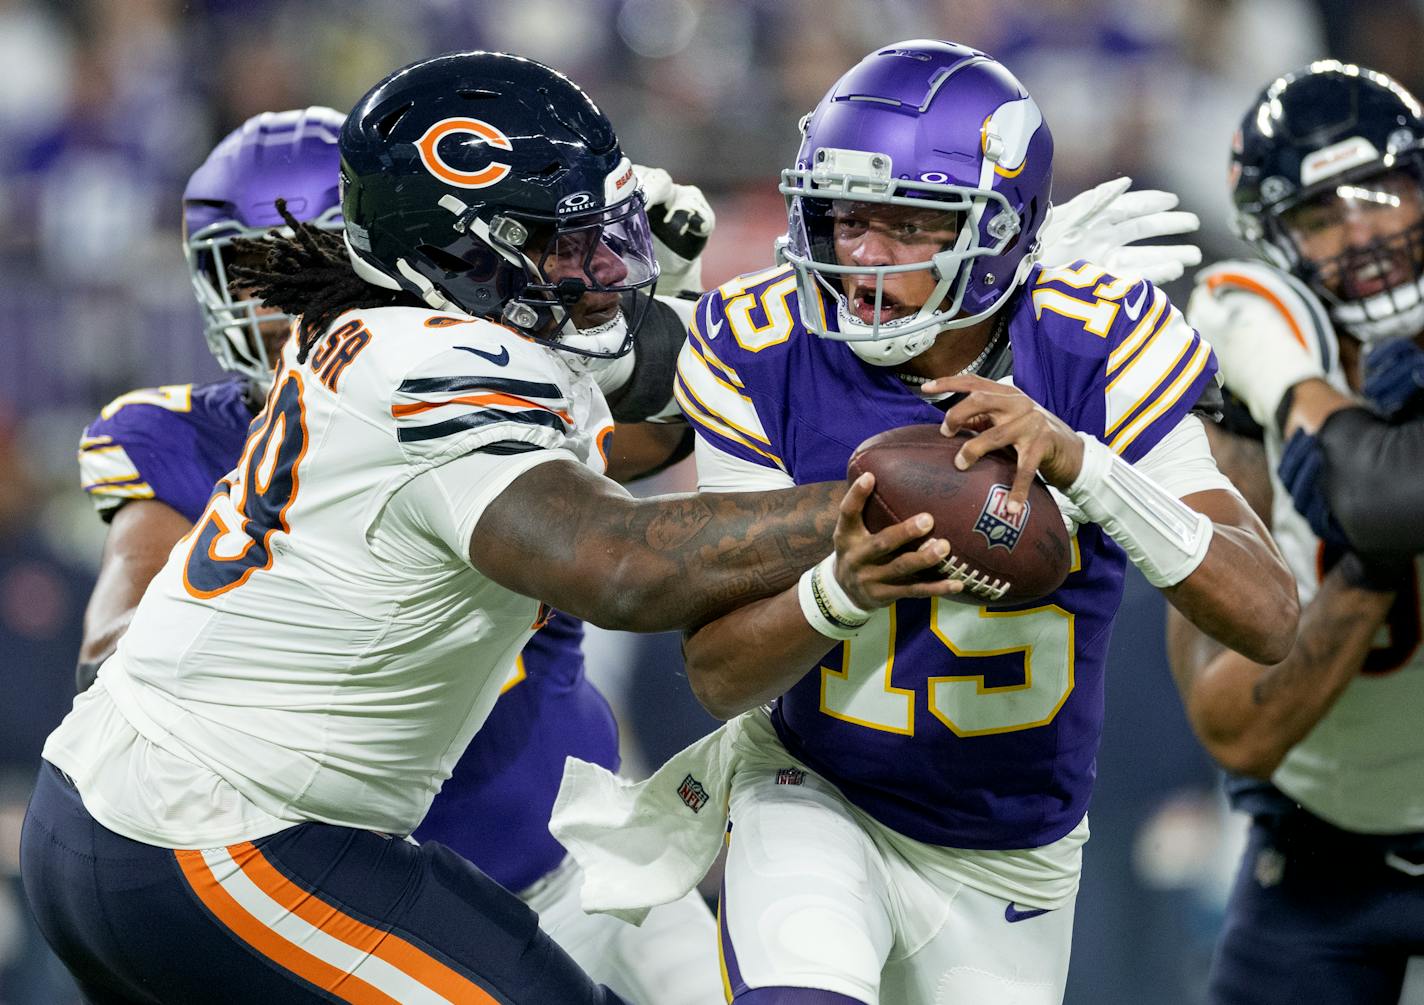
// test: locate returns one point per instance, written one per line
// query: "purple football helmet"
(926, 125)
(276, 155)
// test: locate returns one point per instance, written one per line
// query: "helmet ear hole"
(1030, 221)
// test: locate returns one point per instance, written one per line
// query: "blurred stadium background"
(107, 105)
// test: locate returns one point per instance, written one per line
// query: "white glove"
(1101, 224)
(1256, 344)
(681, 222)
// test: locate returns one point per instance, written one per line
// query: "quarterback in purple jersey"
(907, 821)
(151, 458)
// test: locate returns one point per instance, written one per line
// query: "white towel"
(642, 844)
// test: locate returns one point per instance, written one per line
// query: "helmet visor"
(607, 251)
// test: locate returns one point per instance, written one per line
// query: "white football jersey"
(319, 646)
(1360, 767)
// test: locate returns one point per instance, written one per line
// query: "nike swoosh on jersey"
(1135, 308)
(1013, 914)
(714, 326)
(497, 358)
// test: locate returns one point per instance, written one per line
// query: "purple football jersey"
(955, 725)
(170, 443)
(173, 443)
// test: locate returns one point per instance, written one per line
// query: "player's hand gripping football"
(1004, 416)
(875, 570)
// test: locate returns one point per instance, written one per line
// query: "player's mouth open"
(1376, 276)
(862, 305)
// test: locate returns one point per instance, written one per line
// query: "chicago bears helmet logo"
(484, 135)
(999, 527)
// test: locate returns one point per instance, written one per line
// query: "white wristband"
(825, 604)
(1162, 536)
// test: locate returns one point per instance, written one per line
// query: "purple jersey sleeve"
(711, 393)
(170, 444)
(1116, 358)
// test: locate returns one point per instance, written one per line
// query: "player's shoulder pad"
(1140, 365)
(1238, 292)
(1087, 311)
(114, 448)
(473, 384)
(725, 348)
(751, 316)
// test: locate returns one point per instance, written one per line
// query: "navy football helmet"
(1329, 142)
(492, 185)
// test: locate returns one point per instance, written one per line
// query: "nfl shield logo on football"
(999, 527)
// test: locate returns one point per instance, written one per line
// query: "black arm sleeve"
(1374, 480)
(649, 388)
(84, 675)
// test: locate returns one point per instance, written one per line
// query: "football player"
(150, 460)
(1327, 176)
(222, 815)
(907, 821)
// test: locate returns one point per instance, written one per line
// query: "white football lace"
(981, 584)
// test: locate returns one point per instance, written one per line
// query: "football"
(1001, 559)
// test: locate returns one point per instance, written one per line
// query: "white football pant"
(811, 900)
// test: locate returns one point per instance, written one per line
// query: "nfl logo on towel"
(1000, 528)
(692, 793)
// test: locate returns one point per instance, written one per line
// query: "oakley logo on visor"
(473, 134)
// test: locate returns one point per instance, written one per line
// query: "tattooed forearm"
(1249, 716)
(567, 537)
(703, 555)
(1336, 630)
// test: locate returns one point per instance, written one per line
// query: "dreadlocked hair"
(309, 274)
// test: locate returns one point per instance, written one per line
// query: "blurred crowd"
(106, 106)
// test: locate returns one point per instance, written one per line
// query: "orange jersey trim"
(1249, 284)
(416, 407)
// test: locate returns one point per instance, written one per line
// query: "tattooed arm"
(582, 544)
(1249, 716)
